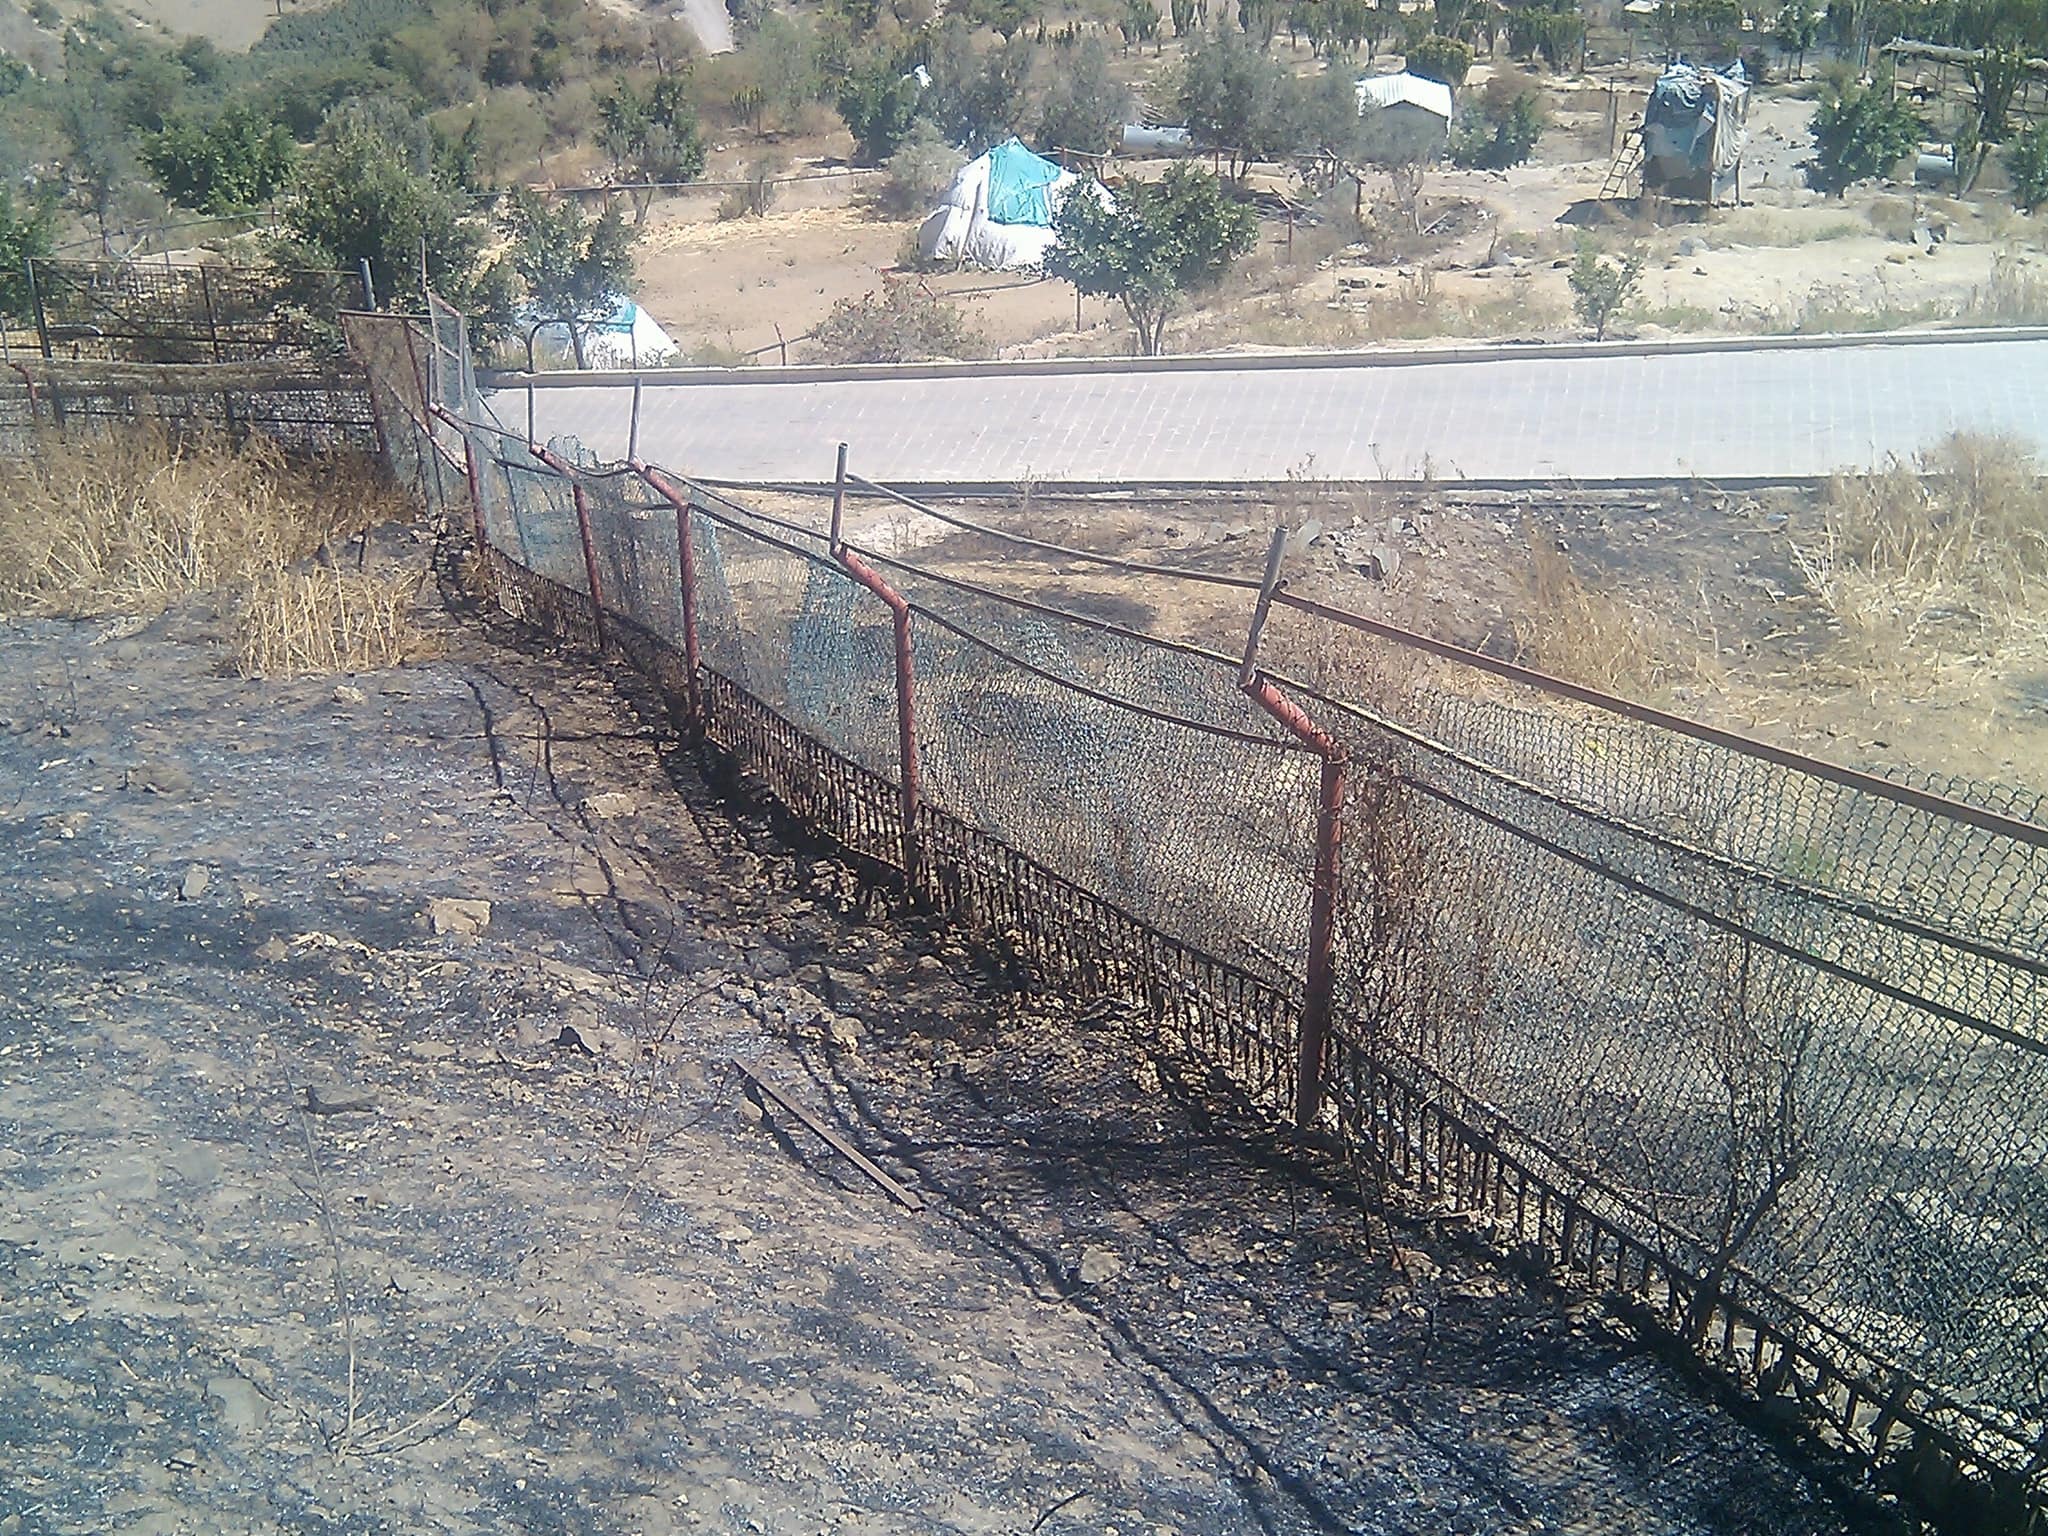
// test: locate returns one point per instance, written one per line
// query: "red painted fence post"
(1320, 984)
(564, 468)
(686, 560)
(906, 702)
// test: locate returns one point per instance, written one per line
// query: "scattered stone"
(430, 1050)
(768, 964)
(843, 1033)
(456, 917)
(733, 1233)
(613, 802)
(157, 778)
(1692, 245)
(1098, 1265)
(193, 886)
(273, 949)
(348, 693)
(571, 1039)
(962, 1383)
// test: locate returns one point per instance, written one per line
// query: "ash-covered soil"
(528, 1259)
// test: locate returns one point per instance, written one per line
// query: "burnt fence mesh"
(1759, 1048)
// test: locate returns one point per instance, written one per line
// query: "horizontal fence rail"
(1753, 1043)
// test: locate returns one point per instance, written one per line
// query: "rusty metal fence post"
(686, 561)
(1320, 983)
(567, 471)
(906, 680)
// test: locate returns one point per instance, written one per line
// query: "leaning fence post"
(906, 681)
(1320, 985)
(35, 301)
(567, 471)
(686, 560)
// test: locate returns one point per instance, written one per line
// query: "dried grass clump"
(128, 521)
(1601, 639)
(1944, 557)
(326, 620)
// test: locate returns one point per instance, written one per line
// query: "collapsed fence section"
(302, 407)
(1754, 1042)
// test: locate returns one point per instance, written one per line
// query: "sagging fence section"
(1754, 1041)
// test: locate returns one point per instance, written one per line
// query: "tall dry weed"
(1572, 629)
(131, 520)
(1943, 557)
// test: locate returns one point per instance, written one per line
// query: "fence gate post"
(567, 471)
(686, 561)
(906, 685)
(35, 300)
(1320, 983)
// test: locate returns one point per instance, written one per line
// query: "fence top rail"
(1910, 795)
(1137, 567)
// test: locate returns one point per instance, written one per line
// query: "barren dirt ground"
(528, 1224)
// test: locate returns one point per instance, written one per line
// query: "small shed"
(1405, 118)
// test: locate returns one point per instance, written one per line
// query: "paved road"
(1764, 412)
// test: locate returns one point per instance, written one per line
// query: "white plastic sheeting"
(628, 337)
(999, 210)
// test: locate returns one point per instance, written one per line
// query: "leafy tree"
(652, 134)
(1186, 15)
(782, 58)
(99, 167)
(1796, 30)
(1555, 29)
(235, 161)
(878, 103)
(1138, 22)
(904, 323)
(26, 233)
(363, 192)
(1601, 285)
(1859, 133)
(1152, 245)
(1437, 57)
(1237, 99)
(574, 268)
(2026, 161)
(978, 99)
(922, 167)
(1503, 130)
(1259, 20)
(1083, 108)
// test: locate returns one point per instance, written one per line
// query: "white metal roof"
(1406, 90)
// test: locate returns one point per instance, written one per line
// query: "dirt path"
(587, 1289)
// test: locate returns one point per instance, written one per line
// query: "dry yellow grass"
(1939, 559)
(326, 620)
(130, 521)
(1571, 629)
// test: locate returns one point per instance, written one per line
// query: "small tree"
(2026, 161)
(1601, 285)
(878, 102)
(237, 160)
(25, 234)
(1796, 30)
(1857, 134)
(904, 323)
(1501, 130)
(922, 167)
(574, 269)
(1151, 245)
(363, 194)
(1235, 98)
(1083, 108)
(1436, 57)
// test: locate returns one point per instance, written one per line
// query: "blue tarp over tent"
(1017, 183)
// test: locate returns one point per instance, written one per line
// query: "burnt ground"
(566, 1272)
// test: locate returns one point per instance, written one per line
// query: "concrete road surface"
(1754, 412)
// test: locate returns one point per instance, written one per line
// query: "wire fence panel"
(202, 313)
(1759, 1043)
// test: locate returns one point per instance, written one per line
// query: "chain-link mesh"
(1762, 1046)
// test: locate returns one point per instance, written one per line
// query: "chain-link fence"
(1752, 1041)
(305, 408)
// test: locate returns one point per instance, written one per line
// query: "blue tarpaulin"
(1017, 183)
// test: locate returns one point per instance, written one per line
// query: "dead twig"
(908, 1199)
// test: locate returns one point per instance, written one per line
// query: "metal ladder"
(1627, 160)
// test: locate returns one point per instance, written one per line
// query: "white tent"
(999, 210)
(628, 337)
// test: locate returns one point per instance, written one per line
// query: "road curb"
(1258, 362)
